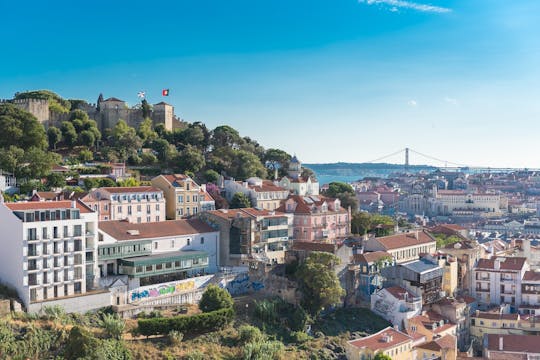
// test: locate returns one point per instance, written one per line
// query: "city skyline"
(346, 81)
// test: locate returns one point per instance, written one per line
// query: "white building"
(460, 202)
(48, 254)
(155, 253)
(298, 184)
(396, 304)
(8, 182)
(498, 280)
(264, 194)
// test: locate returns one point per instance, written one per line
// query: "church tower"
(295, 168)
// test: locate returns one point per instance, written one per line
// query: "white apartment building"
(155, 253)
(264, 194)
(138, 204)
(499, 280)
(49, 252)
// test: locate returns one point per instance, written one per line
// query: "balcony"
(482, 290)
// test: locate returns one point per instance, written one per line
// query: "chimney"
(416, 235)
(501, 343)
(497, 264)
(73, 204)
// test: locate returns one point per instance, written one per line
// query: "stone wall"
(77, 304)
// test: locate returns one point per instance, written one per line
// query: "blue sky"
(334, 80)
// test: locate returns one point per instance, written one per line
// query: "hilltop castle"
(106, 113)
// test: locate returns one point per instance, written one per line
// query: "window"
(138, 208)
(157, 207)
(66, 231)
(44, 233)
(177, 264)
(148, 209)
(187, 198)
(157, 218)
(168, 265)
(188, 212)
(129, 210)
(119, 209)
(180, 198)
(188, 242)
(159, 267)
(32, 234)
(77, 230)
(148, 219)
(33, 294)
(202, 240)
(194, 210)
(194, 198)
(181, 212)
(172, 243)
(149, 268)
(139, 220)
(155, 245)
(55, 232)
(138, 269)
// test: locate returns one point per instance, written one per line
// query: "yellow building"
(181, 193)
(444, 348)
(503, 324)
(450, 274)
(389, 341)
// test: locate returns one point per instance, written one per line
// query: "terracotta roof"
(496, 316)
(206, 196)
(514, 343)
(399, 293)
(313, 246)
(384, 339)
(464, 244)
(43, 205)
(404, 240)
(267, 186)
(119, 229)
(370, 257)
(130, 189)
(445, 342)
(507, 263)
(531, 276)
(48, 195)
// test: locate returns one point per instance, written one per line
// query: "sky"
(327, 80)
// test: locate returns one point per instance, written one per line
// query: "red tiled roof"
(496, 316)
(245, 212)
(119, 229)
(130, 189)
(266, 186)
(370, 257)
(445, 342)
(377, 341)
(531, 276)
(514, 343)
(314, 246)
(44, 205)
(404, 240)
(507, 263)
(48, 195)
(399, 293)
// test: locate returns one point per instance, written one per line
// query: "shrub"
(299, 337)
(55, 312)
(215, 298)
(113, 325)
(263, 350)
(175, 337)
(248, 334)
(196, 323)
(155, 314)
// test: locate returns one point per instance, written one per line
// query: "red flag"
(165, 92)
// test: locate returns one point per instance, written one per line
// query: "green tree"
(211, 176)
(38, 163)
(318, 282)
(85, 156)
(130, 182)
(239, 201)
(54, 135)
(146, 132)
(344, 192)
(56, 103)
(148, 159)
(69, 133)
(146, 108)
(87, 138)
(360, 223)
(125, 140)
(56, 180)
(382, 356)
(225, 136)
(190, 159)
(215, 298)
(247, 164)
(20, 128)
(11, 159)
(276, 159)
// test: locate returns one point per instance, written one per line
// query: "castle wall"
(37, 107)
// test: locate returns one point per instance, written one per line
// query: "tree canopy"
(239, 201)
(20, 128)
(318, 282)
(215, 298)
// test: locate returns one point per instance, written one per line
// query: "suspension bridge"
(443, 165)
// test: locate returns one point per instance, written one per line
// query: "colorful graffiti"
(153, 291)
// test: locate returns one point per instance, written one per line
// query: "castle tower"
(37, 107)
(295, 168)
(163, 113)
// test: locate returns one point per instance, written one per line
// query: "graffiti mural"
(157, 290)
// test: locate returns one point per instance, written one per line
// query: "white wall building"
(8, 182)
(498, 280)
(48, 252)
(153, 253)
(396, 304)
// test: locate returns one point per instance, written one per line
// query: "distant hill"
(349, 172)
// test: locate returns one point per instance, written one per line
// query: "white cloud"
(412, 103)
(450, 100)
(403, 4)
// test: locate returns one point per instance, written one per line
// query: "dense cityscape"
(176, 231)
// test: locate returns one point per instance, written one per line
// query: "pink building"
(317, 218)
(137, 204)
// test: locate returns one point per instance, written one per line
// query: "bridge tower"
(407, 159)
